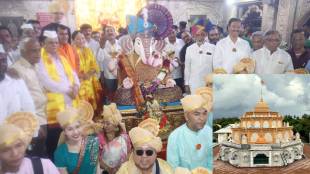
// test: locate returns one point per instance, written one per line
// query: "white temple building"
(261, 139)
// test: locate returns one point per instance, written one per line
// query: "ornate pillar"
(270, 158)
(285, 18)
(268, 17)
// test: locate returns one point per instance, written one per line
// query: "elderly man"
(190, 145)
(146, 145)
(14, 95)
(173, 44)
(61, 84)
(214, 35)
(232, 48)
(14, 140)
(271, 59)
(26, 67)
(300, 56)
(257, 40)
(198, 62)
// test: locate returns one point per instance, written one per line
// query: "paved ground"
(298, 167)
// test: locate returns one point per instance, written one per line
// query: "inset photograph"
(261, 124)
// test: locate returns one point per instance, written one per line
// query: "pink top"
(26, 167)
(115, 152)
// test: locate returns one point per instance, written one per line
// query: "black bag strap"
(157, 167)
(37, 165)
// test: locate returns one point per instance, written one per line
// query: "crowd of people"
(50, 71)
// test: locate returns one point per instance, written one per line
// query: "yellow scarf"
(87, 60)
(90, 89)
(56, 101)
(51, 68)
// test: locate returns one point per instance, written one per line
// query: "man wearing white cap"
(60, 82)
(27, 31)
(190, 145)
(147, 144)
(14, 95)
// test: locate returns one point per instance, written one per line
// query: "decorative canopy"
(160, 17)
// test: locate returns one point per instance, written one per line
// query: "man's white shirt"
(106, 58)
(198, 64)
(95, 47)
(278, 62)
(14, 97)
(227, 53)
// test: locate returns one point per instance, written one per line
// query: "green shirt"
(65, 159)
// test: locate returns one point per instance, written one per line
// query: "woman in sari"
(90, 89)
(75, 154)
(115, 145)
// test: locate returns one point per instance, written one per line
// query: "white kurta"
(198, 64)
(278, 62)
(63, 86)
(227, 53)
(108, 48)
(176, 47)
(28, 73)
(14, 97)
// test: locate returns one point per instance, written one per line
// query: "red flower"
(166, 63)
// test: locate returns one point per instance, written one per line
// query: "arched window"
(268, 137)
(274, 124)
(266, 124)
(257, 124)
(254, 137)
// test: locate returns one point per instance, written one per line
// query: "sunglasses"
(147, 152)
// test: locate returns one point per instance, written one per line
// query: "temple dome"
(261, 106)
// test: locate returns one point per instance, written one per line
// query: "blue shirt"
(183, 148)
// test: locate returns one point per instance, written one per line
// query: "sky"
(287, 94)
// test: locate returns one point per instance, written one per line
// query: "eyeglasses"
(140, 152)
